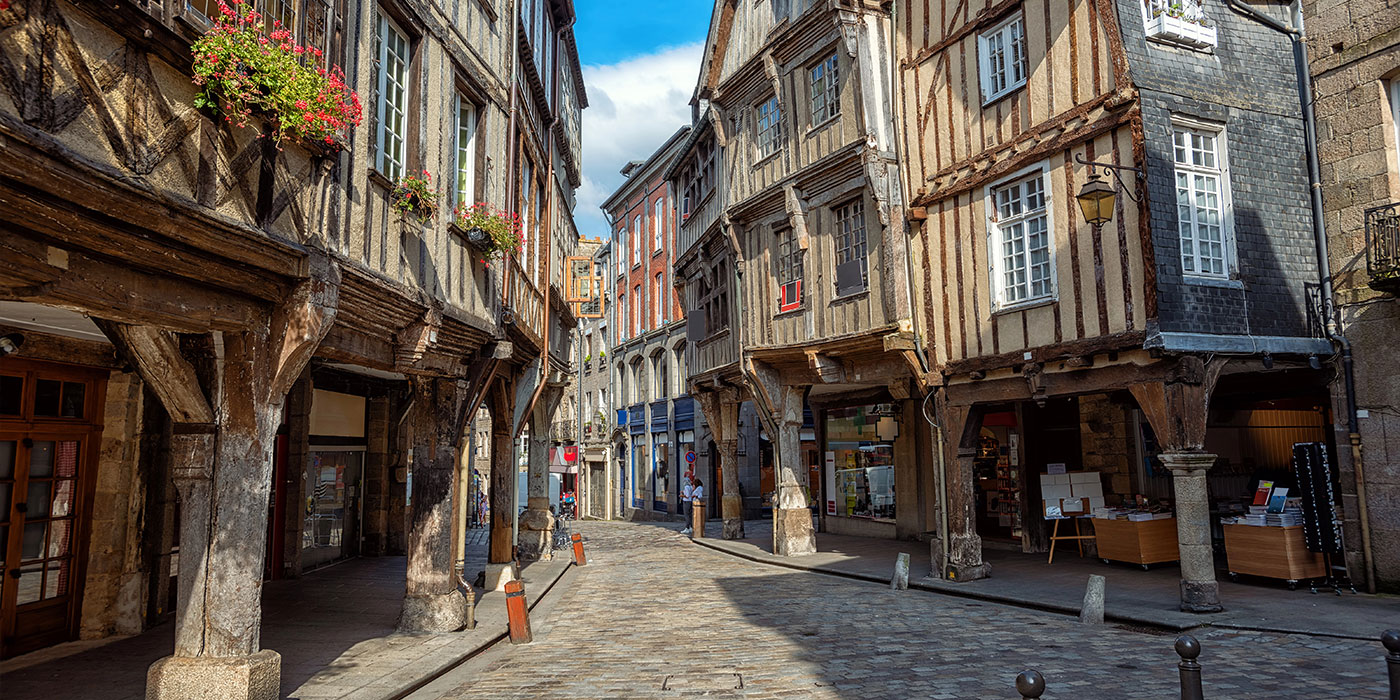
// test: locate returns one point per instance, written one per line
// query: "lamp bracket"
(1114, 168)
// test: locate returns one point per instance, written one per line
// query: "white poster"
(829, 482)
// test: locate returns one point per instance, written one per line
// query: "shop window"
(860, 448)
(1002, 58)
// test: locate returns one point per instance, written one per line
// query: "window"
(1002, 54)
(1201, 204)
(850, 248)
(680, 372)
(660, 218)
(1181, 22)
(391, 103)
(464, 187)
(621, 251)
(637, 233)
(769, 127)
(1020, 241)
(638, 310)
(656, 301)
(790, 271)
(622, 327)
(826, 96)
(662, 376)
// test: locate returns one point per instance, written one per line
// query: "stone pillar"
(536, 523)
(500, 561)
(792, 518)
(964, 544)
(1200, 592)
(432, 602)
(732, 504)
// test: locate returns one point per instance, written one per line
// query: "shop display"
(862, 462)
(1271, 552)
(998, 471)
(1139, 542)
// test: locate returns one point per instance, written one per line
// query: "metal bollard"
(1030, 684)
(517, 613)
(1391, 640)
(1188, 649)
(579, 559)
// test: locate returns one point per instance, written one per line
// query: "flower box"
(1176, 30)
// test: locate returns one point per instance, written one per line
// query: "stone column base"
(733, 529)
(252, 677)
(535, 545)
(1200, 596)
(498, 574)
(433, 613)
(792, 532)
(962, 573)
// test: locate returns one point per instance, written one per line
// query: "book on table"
(1277, 499)
(1261, 496)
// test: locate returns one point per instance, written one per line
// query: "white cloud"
(634, 106)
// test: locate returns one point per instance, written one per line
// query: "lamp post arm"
(1115, 168)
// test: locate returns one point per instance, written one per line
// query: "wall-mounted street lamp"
(1098, 198)
(9, 343)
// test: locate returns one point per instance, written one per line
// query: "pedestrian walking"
(687, 492)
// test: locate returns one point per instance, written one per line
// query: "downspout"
(940, 465)
(1304, 77)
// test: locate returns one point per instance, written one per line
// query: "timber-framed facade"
(278, 308)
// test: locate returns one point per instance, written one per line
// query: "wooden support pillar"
(432, 602)
(962, 425)
(500, 561)
(721, 409)
(1176, 409)
(793, 534)
(225, 411)
(377, 476)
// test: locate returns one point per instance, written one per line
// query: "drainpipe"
(1305, 91)
(941, 468)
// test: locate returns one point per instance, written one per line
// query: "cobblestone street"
(650, 605)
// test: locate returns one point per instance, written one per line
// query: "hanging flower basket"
(492, 231)
(247, 71)
(416, 195)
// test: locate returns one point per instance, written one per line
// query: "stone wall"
(1106, 441)
(114, 589)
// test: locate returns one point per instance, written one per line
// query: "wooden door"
(48, 438)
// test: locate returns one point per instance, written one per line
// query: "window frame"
(658, 218)
(381, 78)
(768, 139)
(791, 264)
(995, 241)
(464, 154)
(1229, 264)
(829, 89)
(985, 74)
(840, 239)
(635, 240)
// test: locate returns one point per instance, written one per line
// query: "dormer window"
(1180, 22)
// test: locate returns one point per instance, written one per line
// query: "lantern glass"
(1096, 200)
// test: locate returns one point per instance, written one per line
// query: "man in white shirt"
(687, 492)
(697, 496)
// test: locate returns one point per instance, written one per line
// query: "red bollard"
(517, 613)
(579, 559)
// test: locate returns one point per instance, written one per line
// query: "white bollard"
(900, 581)
(1092, 612)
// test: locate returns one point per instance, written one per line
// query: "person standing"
(697, 495)
(686, 492)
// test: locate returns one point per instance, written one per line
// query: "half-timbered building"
(1164, 347)
(209, 327)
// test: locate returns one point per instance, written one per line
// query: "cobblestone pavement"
(650, 605)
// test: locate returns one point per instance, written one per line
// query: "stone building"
(599, 497)
(658, 426)
(1353, 67)
(204, 326)
(1172, 345)
(794, 269)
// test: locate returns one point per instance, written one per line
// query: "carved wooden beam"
(157, 357)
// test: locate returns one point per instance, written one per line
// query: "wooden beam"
(157, 357)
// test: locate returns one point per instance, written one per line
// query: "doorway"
(48, 440)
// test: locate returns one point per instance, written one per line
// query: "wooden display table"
(1137, 542)
(1272, 552)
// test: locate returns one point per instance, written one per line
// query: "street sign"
(689, 457)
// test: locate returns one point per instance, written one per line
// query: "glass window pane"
(41, 459)
(38, 500)
(73, 395)
(60, 538)
(7, 459)
(30, 584)
(66, 460)
(63, 498)
(32, 544)
(56, 582)
(47, 394)
(11, 395)
(5, 501)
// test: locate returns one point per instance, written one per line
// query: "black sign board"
(1321, 530)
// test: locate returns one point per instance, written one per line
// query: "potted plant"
(416, 194)
(491, 230)
(247, 71)
(1180, 22)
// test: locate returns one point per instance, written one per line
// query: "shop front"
(332, 479)
(857, 473)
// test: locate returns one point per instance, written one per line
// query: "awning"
(563, 460)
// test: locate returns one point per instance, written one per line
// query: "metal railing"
(1383, 247)
(1031, 684)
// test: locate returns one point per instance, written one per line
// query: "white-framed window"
(826, 95)
(391, 49)
(621, 245)
(1018, 234)
(637, 233)
(622, 326)
(464, 185)
(1001, 54)
(658, 300)
(770, 127)
(659, 224)
(638, 310)
(1202, 199)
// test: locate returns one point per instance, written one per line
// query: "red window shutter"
(791, 296)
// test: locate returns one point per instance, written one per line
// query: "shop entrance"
(48, 442)
(333, 515)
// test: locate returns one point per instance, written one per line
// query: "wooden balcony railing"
(525, 301)
(1383, 248)
(718, 350)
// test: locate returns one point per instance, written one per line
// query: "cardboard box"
(1055, 492)
(1083, 477)
(1094, 490)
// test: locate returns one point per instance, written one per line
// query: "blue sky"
(640, 61)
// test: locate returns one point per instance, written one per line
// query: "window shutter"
(848, 277)
(791, 296)
(695, 330)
